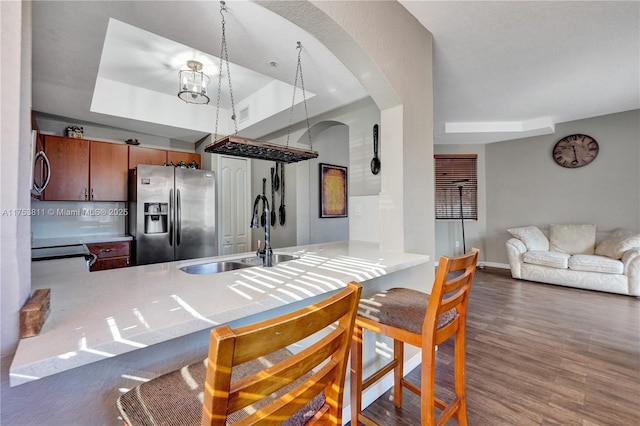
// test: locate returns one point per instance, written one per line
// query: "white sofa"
(577, 256)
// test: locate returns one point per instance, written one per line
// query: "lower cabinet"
(110, 255)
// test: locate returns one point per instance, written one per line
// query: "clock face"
(575, 151)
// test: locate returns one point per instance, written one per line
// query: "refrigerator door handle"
(171, 224)
(178, 217)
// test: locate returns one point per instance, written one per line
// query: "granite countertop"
(95, 315)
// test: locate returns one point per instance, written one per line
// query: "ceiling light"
(193, 84)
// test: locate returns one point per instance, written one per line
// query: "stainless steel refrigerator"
(172, 213)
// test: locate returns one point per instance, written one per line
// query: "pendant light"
(241, 147)
(193, 84)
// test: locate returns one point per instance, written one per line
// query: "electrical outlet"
(457, 244)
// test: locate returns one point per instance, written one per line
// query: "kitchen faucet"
(263, 252)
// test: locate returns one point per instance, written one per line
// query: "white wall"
(15, 135)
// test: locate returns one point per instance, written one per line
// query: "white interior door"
(234, 202)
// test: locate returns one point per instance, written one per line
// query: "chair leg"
(356, 374)
(427, 387)
(398, 354)
(460, 376)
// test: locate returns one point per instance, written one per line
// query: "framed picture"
(333, 191)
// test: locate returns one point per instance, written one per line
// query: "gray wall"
(335, 151)
(526, 187)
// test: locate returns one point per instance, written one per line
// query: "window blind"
(451, 168)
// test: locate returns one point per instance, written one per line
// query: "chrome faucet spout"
(265, 253)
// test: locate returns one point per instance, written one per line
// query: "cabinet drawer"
(106, 250)
(110, 263)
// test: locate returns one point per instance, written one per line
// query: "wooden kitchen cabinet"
(110, 255)
(152, 156)
(186, 157)
(108, 171)
(69, 160)
(86, 170)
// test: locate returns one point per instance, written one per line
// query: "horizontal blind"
(451, 168)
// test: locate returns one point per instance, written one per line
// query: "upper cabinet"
(69, 161)
(85, 170)
(108, 171)
(140, 155)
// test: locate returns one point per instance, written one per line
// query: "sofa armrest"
(631, 261)
(515, 249)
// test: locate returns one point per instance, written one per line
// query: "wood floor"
(540, 355)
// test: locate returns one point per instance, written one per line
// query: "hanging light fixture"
(193, 84)
(248, 148)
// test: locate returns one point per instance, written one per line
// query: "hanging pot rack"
(249, 148)
(234, 145)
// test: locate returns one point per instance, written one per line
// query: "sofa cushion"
(553, 259)
(572, 239)
(532, 237)
(617, 243)
(592, 263)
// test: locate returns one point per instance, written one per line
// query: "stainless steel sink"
(213, 267)
(277, 258)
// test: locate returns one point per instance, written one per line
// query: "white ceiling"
(502, 70)
(511, 69)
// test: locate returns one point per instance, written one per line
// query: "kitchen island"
(104, 315)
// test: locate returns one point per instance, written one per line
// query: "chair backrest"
(450, 291)
(323, 362)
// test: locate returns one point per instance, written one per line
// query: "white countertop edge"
(321, 269)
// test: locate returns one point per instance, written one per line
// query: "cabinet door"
(108, 171)
(69, 159)
(140, 155)
(186, 157)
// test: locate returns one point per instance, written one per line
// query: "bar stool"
(250, 377)
(425, 321)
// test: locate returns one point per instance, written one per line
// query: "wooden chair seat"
(402, 308)
(250, 377)
(176, 398)
(422, 320)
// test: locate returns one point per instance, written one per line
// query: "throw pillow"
(532, 237)
(572, 239)
(617, 243)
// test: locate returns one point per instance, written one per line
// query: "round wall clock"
(575, 151)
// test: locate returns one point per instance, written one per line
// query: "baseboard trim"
(494, 265)
(377, 390)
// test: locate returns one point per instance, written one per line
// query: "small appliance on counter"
(172, 213)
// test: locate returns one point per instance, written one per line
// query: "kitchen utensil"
(375, 162)
(263, 217)
(276, 182)
(273, 198)
(282, 209)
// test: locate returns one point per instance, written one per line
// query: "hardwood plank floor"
(539, 354)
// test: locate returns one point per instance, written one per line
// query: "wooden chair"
(425, 321)
(251, 378)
